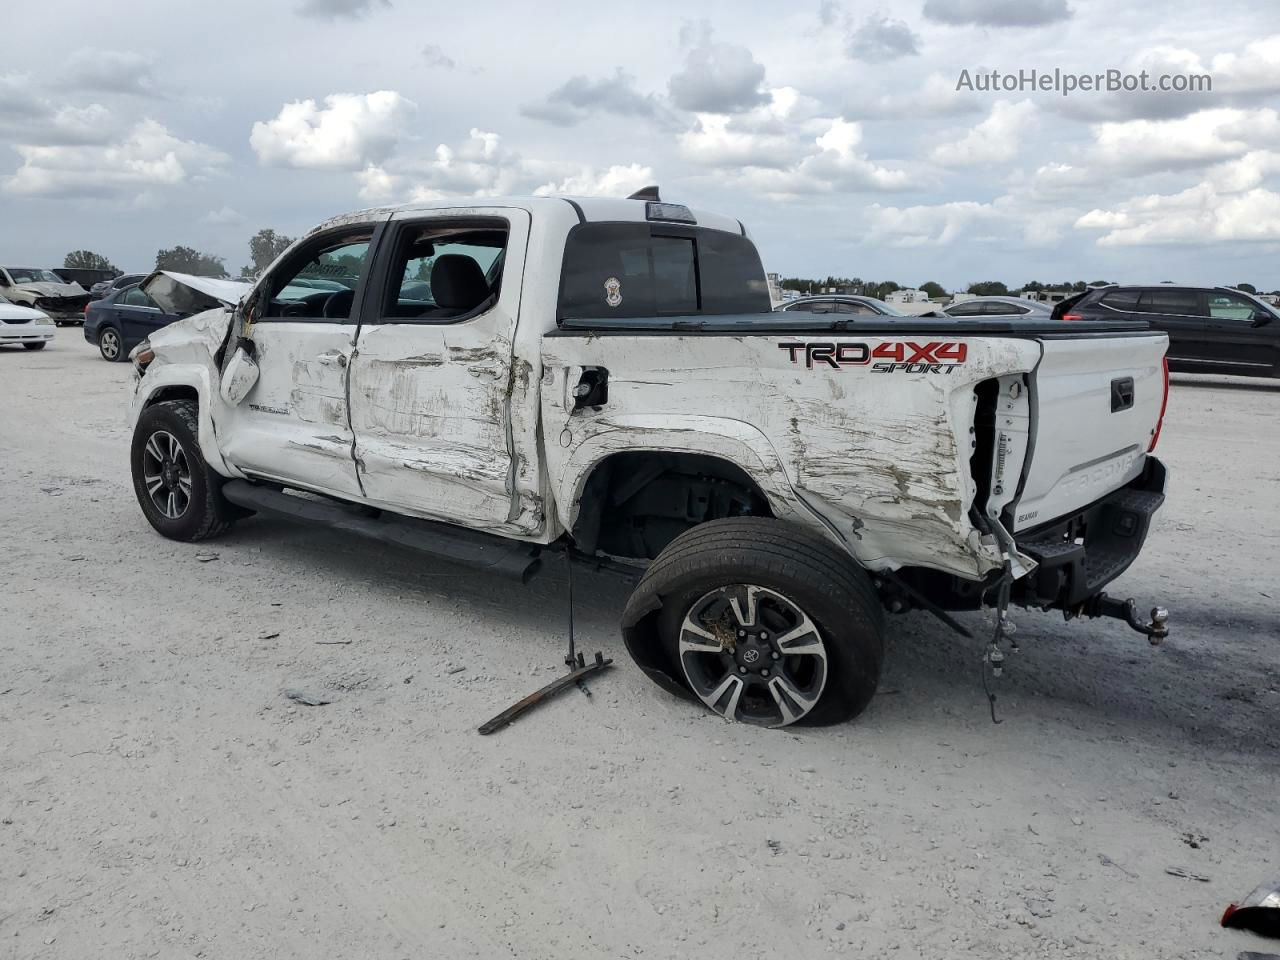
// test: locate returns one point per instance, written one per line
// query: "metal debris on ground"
(550, 690)
(307, 699)
(1185, 874)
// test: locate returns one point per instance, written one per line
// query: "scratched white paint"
(474, 423)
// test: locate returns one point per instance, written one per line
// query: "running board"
(510, 558)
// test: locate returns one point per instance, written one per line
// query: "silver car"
(843, 303)
(999, 307)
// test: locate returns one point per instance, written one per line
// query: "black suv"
(1211, 329)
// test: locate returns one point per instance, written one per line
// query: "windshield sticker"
(612, 292)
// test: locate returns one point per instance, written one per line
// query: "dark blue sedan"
(121, 320)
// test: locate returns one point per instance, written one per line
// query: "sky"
(835, 130)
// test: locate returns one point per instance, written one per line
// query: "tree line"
(264, 247)
(982, 288)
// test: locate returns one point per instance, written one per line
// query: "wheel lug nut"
(763, 635)
(742, 633)
(764, 673)
(742, 669)
(777, 655)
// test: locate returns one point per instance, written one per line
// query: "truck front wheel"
(764, 622)
(178, 493)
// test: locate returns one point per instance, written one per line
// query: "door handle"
(331, 358)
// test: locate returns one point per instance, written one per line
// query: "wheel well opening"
(634, 504)
(175, 392)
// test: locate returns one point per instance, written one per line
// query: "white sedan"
(31, 328)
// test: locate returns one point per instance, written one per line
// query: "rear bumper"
(1080, 554)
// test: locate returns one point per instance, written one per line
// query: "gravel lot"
(160, 797)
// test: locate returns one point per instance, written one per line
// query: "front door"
(293, 426)
(445, 422)
(1236, 342)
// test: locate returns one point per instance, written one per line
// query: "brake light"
(1164, 404)
(1072, 317)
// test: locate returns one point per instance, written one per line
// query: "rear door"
(1180, 312)
(1096, 400)
(444, 419)
(294, 425)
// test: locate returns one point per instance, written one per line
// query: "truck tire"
(178, 492)
(763, 621)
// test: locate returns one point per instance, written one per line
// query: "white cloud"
(994, 140)
(224, 216)
(929, 224)
(149, 156)
(771, 135)
(617, 181)
(1204, 137)
(781, 149)
(1198, 215)
(837, 164)
(28, 117)
(349, 132)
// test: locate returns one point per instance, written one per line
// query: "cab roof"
(580, 209)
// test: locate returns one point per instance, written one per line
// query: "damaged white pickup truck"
(605, 377)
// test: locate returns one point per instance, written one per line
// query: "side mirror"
(1261, 318)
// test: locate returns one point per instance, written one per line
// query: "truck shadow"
(1098, 673)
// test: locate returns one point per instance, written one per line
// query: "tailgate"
(1097, 400)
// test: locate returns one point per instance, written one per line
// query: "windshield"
(29, 275)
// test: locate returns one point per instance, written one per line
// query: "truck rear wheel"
(180, 496)
(762, 621)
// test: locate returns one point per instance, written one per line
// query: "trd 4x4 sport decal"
(940, 356)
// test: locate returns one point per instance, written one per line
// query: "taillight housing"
(1164, 405)
(1072, 317)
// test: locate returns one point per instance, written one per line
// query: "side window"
(133, 297)
(1227, 306)
(969, 309)
(319, 282)
(806, 307)
(1124, 300)
(444, 273)
(856, 308)
(1182, 303)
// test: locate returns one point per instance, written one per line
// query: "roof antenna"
(647, 193)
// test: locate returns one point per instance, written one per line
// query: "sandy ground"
(159, 796)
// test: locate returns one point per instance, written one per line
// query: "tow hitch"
(1100, 605)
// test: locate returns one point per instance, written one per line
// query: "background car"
(998, 307)
(104, 287)
(1211, 329)
(45, 291)
(23, 325)
(87, 277)
(123, 319)
(840, 303)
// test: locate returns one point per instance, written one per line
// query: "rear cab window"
(632, 270)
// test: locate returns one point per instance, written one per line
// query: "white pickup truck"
(497, 380)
